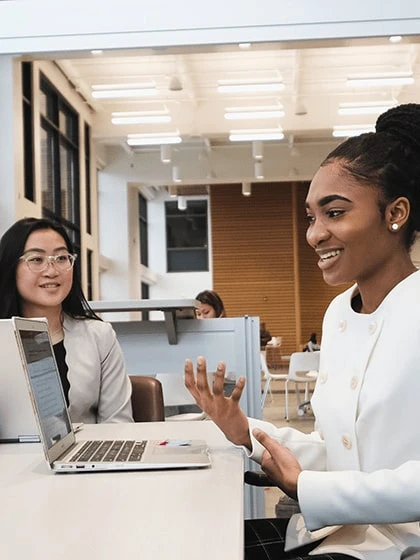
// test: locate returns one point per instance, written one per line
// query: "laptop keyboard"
(110, 451)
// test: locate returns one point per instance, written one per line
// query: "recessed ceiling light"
(401, 79)
(255, 114)
(145, 117)
(373, 108)
(352, 130)
(249, 135)
(395, 39)
(244, 45)
(113, 91)
(96, 52)
(235, 86)
(153, 139)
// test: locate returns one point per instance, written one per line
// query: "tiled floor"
(274, 412)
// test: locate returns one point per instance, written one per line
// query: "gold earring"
(395, 227)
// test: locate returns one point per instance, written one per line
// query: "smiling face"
(347, 229)
(43, 292)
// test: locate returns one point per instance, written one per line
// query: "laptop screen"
(46, 386)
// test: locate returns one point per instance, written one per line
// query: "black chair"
(411, 553)
(147, 399)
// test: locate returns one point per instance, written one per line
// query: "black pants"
(264, 540)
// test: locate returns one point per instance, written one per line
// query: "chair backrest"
(302, 362)
(263, 362)
(147, 399)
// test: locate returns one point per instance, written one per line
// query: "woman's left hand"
(279, 464)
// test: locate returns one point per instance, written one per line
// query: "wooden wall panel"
(254, 261)
(253, 255)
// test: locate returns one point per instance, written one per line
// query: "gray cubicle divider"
(236, 341)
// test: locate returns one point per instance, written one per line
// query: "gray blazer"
(100, 389)
(360, 485)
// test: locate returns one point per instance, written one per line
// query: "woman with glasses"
(38, 279)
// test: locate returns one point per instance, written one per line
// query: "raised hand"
(224, 411)
(279, 463)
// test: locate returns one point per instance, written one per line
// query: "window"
(186, 237)
(59, 161)
(145, 294)
(28, 157)
(144, 240)
(89, 291)
(87, 179)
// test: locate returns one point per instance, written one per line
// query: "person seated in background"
(211, 305)
(265, 335)
(38, 279)
(312, 344)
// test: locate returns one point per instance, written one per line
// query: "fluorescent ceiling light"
(231, 86)
(365, 108)
(395, 39)
(355, 130)
(153, 139)
(165, 153)
(244, 45)
(246, 189)
(176, 174)
(258, 170)
(249, 135)
(263, 114)
(140, 118)
(402, 79)
(114, 91)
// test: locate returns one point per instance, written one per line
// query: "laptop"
(17, 419)
(62, 452)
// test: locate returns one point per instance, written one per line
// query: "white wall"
(8, 145)
(120, 246)
(47, 25)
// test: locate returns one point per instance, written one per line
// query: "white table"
(184, 514)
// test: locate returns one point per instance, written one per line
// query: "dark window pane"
(28, 160)
(47, 170)
(143, 231)
(27, 80)
(192, 260)
(68, 182)
(145, 294)
(87, 180)
(188, 231)
(186, 236)
(89, 275)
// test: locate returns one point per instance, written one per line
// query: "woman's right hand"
(224, 411)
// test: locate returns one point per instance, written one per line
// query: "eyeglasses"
(39, 263)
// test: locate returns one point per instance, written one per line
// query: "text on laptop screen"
(46, 386)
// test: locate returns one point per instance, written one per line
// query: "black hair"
(12, 246)
(313, 339)
(389, 160)
(214, 300)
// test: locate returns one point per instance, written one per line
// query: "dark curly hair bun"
(402, 122)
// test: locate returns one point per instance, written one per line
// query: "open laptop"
(62, 452)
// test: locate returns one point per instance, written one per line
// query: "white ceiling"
(314, 76)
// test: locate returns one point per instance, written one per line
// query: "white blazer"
(361, 467)
(100, 389)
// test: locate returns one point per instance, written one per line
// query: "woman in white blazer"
(357, 476)
(37, 279)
